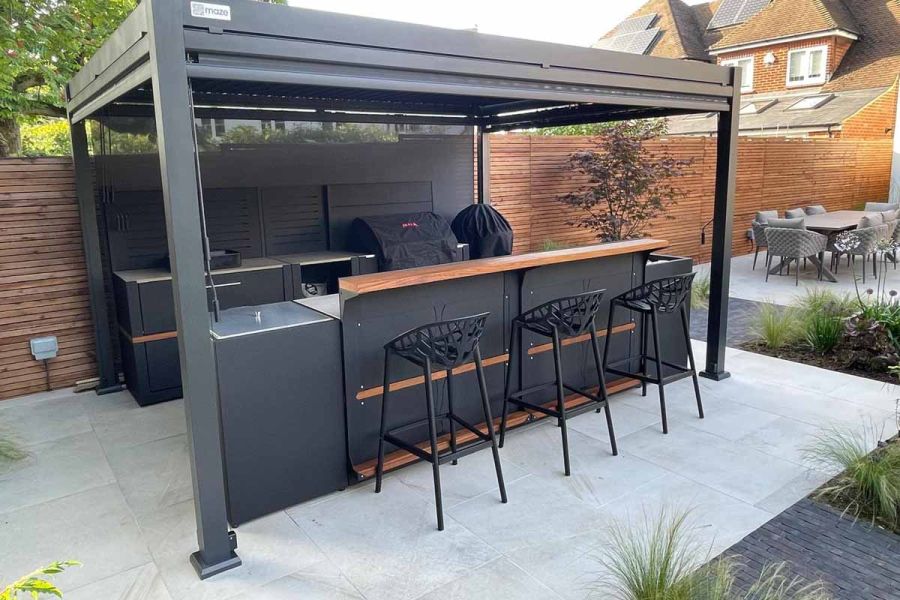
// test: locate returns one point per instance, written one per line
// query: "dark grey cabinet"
(146, 315)
(282, 412)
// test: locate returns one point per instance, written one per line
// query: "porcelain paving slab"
(473, 476)
(53, 470)
(94, 527)
(539, 510)
(43, 418)
(597, 476)
(497, 579)
(153, 475)
(140, 583)
(321, 581)
(120, 422)
(271, 547)
(708, 459)
(388, 544)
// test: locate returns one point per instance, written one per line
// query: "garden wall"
(43, 282)
(528, 174)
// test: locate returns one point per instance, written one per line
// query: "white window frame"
(736, 62)
(807, 80)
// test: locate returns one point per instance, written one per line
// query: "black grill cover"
(405, 240)
(487, 232)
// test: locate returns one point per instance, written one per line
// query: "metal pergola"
(177, 60)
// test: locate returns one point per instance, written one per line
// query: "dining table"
(828, 224)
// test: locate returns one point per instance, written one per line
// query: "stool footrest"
(481, 435)
(469, 448)
(411, 448)
(647, 378)
(445, 457)
(592, 403)
(532, 389)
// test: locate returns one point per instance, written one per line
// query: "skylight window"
(811, 102)
(754, 108)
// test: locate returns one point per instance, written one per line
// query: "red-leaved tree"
(628, 185)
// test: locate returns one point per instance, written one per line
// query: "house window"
(807, 66)
(746, 65)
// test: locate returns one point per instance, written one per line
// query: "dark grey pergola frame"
(267, 60)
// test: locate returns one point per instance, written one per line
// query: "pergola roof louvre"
(277, 57)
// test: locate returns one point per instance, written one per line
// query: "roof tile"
(873, 60)
(785, 18)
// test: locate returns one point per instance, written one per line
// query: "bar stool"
(445, 345)
(570, 316)
(666, 295)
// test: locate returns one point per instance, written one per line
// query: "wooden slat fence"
(528, 174)
(43, 283)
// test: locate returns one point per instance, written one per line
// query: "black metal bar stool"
(445, 345)
(564, 317)
(666, 295)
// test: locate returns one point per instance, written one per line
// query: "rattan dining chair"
(758, 228)
(792, 245)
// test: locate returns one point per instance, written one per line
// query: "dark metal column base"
(112, 389)
(205, 570)
(715, 376)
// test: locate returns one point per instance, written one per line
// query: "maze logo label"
(205, 10)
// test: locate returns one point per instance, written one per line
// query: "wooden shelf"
(375, 282)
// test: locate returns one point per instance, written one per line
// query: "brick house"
(811, 68)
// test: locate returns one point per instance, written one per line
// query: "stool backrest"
(446, 344)
(571, 315)
(666, 294)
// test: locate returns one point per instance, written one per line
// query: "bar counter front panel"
(376, 308)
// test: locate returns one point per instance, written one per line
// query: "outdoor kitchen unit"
(267, 130)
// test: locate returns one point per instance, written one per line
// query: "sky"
(576, 22)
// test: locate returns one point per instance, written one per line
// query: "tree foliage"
(45, 42)
(45, 137)
(628, 184)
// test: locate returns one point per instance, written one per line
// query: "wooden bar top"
(389, 280)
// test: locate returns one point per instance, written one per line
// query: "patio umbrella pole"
(206, 253)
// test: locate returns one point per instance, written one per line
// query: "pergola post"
(723, 212)
(87, 208)
(174, 123)
(483, 159)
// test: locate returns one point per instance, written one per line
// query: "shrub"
(868, 344)
(36, 583)
(777, 326)
(823, 332)
(548, 245)
(628, 185)
(10, 451)
(823, 301)
(869, 483)
(653, 560)
(658, 560)
(700, 292)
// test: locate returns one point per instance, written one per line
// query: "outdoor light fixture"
(769, 58)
